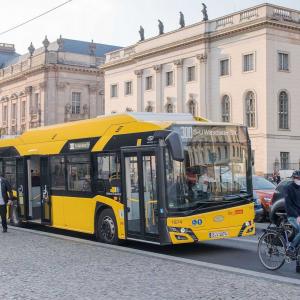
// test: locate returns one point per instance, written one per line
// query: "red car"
(263, 191)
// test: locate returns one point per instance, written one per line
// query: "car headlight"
(267, 199)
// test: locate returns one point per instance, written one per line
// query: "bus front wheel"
(107, 230)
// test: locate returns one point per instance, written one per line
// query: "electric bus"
(157, 178)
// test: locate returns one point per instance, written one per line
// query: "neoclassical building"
(242, 68)
(56, 83)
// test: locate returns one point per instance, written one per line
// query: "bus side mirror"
(174, 142)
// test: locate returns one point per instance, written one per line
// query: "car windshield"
(216, 157)
(260, 183)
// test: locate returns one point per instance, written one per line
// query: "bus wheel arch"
(106, 228)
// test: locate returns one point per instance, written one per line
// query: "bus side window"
(9, 171)
(78, 172)
(107, 179)
(58, 172)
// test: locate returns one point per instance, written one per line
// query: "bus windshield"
(216, 158)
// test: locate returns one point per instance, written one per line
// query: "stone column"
(41, 108)
(158, 88)
(93, 101)
(140, 92)
(59, 116)
(180, 97)
(28, 91)
(203, 99)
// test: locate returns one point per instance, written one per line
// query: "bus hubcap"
(108, 228)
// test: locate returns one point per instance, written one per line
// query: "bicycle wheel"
(271, 250)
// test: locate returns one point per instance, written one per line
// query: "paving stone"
(41, 267)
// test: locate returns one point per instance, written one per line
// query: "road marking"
(218, 267)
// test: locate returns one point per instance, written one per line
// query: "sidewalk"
(34, 266)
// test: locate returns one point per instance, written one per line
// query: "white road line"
(218, 267)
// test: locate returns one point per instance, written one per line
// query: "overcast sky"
(114, 22)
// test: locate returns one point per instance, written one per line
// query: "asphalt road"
(239, 253)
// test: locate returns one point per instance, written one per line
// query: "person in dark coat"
(6, 197)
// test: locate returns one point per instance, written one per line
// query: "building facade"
(240, 68)
(56, 83)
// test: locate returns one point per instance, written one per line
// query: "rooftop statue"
(142, 33)
(160, 27)
(181, 20)
(204, 12)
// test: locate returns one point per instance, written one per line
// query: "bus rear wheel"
(107, 230)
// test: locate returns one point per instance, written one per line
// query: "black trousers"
(3, 216)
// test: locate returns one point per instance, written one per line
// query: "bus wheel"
(107, 231)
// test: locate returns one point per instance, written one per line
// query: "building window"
(191, 73)
(149, 83)
(284, 160)
(283, 61)
(36, 101)
(283, 110)
(169, 108)
(248, 62)
(23, 110)
(14, 111)
(76, 102)
(192, 107)
(250, 109)
(114, 90)
(169, 78)
(225, 109)
(4, 116)
(128, 88)
(224, 67)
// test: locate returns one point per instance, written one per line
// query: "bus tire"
(107, 230)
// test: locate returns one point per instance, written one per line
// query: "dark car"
(277, 201)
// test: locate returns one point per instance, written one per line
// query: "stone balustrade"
(260, 12)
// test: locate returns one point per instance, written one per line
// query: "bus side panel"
(78, 214)
(57, 212)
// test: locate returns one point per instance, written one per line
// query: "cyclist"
(292, 205)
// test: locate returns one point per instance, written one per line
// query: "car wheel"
(107, 230)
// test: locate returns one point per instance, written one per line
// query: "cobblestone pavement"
(41, 267)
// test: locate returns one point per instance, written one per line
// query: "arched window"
(233, 151)
(250, 109)
(219, 153)
(192, 107)
(225, 109)
(283, 110)
(169, 108)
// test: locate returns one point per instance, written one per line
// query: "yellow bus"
(157, 178)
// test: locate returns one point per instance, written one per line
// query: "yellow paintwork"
(228, 220)
(78, 214)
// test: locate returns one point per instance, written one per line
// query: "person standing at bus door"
(6, 197)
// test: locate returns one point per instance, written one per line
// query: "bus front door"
(22, 190)
(140, 184)
(45, 191)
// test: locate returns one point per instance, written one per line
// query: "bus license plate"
(218, 234)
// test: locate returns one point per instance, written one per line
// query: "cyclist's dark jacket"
(292, 200)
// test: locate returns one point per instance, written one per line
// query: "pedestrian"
(292, 205)
(6, 197)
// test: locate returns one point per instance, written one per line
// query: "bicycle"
(273, 245)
